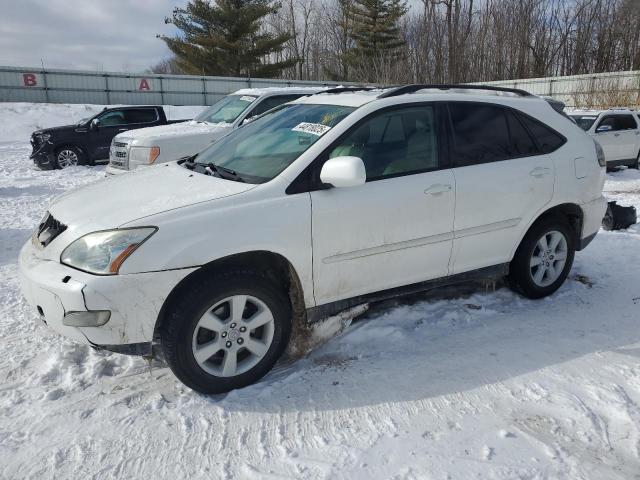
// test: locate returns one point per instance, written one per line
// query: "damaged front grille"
(48, 230)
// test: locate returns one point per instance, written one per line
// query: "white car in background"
(616, 130)
(150, 146)
(320, 205)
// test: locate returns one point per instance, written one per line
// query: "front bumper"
(54, 290)
(43, 159)
(110, 170)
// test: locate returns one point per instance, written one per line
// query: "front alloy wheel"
(225, 330)
(232, 337)
(67, 158)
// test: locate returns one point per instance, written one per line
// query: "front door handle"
(540, 172)
(616, 135)
(438, 189)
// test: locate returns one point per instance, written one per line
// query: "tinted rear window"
(487, 133)
(141, 115)
(480, 134)
(522, 143)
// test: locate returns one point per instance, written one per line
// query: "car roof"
(268, 91)
(610, 111)
(362, 97)
(347, 99)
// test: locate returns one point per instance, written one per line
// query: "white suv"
(165, 143)
(617, 131)
(328, 202)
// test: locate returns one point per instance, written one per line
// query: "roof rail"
(346, 89)
(416, 87)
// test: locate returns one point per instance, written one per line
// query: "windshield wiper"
(188, 162)
(224, 172)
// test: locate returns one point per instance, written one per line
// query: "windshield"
(584, 121)
(262, 149)
(226, 110)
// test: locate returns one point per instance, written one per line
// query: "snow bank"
(482, 385)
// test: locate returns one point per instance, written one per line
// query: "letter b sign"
(29, 80)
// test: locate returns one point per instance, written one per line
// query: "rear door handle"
(540, 172)
(438, 189)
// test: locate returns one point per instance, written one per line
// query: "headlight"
(143, 155)
(43, 137)
(103, 253)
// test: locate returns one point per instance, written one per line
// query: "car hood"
(118, 200)
(54, 130)
(146, 136)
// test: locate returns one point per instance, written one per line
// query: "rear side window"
(547, 139)
(487, 133)
(522, 145)
(141, 115)
(272, 102)
(619, 122)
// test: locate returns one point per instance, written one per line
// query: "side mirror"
(95, 124)
(343, 172)
(604, 128)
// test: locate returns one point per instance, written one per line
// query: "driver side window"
(111, 119)
(394, 143)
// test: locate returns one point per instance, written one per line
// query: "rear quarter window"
(548, 140)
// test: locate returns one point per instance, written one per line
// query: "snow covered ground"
(483, 384)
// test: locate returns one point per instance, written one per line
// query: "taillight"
(600, 152)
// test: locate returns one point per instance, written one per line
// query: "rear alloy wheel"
(543, 259)
(68, 157)
(549, 258)
(226, 331)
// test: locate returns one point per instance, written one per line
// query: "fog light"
(96, 318)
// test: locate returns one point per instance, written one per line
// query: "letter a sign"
(144, 85)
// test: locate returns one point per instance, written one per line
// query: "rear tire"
(544, 258)
(226, 331)
(69, 156)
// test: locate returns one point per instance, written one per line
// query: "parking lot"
(485, 384)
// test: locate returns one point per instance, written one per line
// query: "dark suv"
(87, 142)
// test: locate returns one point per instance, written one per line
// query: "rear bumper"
(593, 213)
(134, 301)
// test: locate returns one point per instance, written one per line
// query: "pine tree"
(225, 38)
(375, 29)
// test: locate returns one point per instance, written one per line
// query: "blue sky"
(84, 34)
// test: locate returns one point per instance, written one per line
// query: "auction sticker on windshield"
(246, 98)
(313, 128)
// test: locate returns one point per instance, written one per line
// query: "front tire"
(69, 157)
(543, 259)
(226, 332)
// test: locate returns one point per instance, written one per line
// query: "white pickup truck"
(150, 146)
(616, 130)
